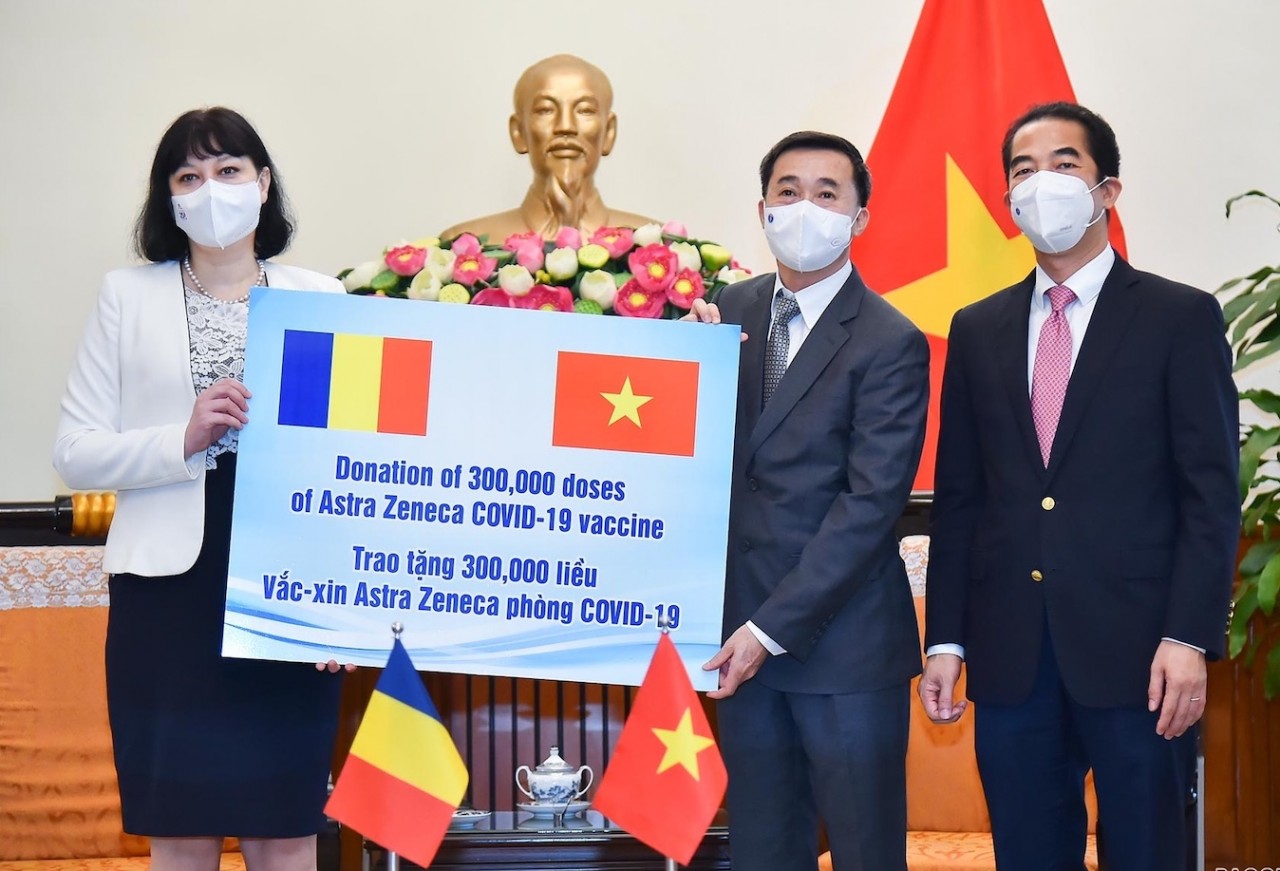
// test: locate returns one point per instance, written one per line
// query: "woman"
(204, 746)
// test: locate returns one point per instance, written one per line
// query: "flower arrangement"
(654, 271)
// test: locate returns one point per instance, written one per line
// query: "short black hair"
(1098, 133)
(205, 133)
(812, 140)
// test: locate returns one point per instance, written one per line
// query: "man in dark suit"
(821, 639)
(1085, 520)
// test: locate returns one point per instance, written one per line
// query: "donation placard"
(529, 493)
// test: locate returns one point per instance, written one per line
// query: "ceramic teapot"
(555, 781)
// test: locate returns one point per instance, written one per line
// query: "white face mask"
(218, 214)
(1054, 209)
(805, 237)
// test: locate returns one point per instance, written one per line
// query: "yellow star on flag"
(625, 404)
(980, 261)
(683, 745)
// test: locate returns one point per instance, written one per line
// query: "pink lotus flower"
(516, 241)
(616, 240)
(634, 301)
(686, 288)
(545, 298)
(569, 237)
(406, 260)
(675, 228)
(470, 268)
(493, 296)
(465, 244)
(530, 255)
(654, 266)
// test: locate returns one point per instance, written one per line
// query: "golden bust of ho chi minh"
(564, 121)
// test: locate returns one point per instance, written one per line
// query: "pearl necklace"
(199, 288)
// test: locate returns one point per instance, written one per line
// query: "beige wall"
(372, 108)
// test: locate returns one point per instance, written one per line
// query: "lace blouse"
(217, 331)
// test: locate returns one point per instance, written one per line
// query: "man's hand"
(704, 312)
(938, 686)
(1177, 688)
(738, 661)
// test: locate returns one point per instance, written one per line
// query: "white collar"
(1086, 282)
(815, 298)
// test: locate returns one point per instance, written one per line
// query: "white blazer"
(124, 416)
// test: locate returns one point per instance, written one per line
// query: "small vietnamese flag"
(666, 779)
(640, 404)
(404, 778)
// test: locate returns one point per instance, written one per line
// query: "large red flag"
(941, 236)
(666, 779)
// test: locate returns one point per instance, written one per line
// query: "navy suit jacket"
(1128, 536)
(820, 475)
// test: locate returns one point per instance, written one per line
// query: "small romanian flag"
(640, 404)
(404, 778)
(353, 382)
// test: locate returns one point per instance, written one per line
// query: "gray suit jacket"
(820, 475)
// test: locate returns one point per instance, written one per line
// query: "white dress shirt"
(1086, 283)
(813, 301)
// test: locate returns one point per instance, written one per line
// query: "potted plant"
(1252, 315)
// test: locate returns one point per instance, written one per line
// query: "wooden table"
(588, 842)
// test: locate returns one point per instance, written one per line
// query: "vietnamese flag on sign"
(640, 404)
(666, 779)
(941, 236)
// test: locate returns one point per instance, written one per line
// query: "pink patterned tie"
(1052, 369)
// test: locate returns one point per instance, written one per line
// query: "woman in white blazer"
(205, 747)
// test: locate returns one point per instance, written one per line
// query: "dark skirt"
(206, 746)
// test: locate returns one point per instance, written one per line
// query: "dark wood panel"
(1242, 770)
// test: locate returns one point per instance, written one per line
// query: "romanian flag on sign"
(666, 779)
(404, 778)
(352, 382)
(639, 404)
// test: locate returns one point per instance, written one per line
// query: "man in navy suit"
(820, 632)
(1085, 520)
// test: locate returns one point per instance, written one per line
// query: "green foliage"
(1252, 313)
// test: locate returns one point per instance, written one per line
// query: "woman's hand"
(223, 406)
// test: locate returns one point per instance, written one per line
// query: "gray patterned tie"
(775, 352)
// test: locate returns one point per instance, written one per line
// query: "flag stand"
(393, 858)
(664, 625)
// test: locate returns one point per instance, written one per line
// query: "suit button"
(1036, 576)
(746, 544)
(1047, 503)
(753, 485)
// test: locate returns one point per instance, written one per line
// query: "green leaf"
(1237, 304)
(1246, 195)
(1258, 442)
(1269, 585)
(1262, 303)
(1266, 400)
(1255, 353)
(1269, 332)
(1238, 632)
(1255, 560)
(1271, 682)
(385, 280)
